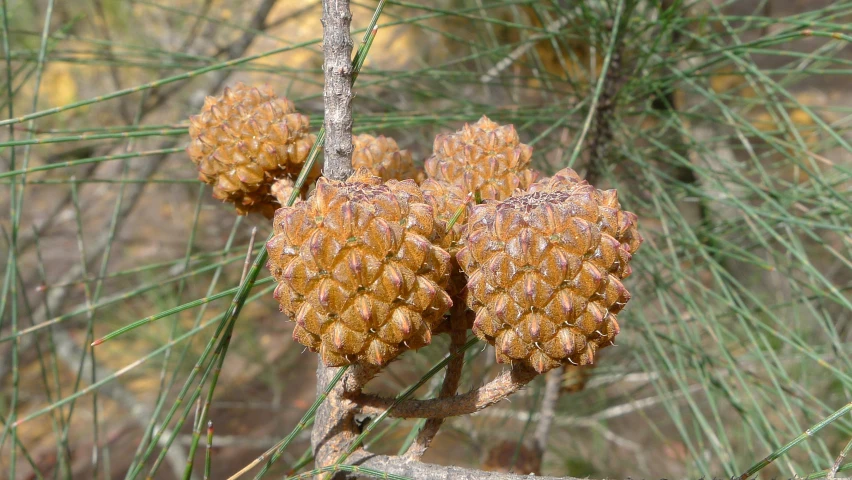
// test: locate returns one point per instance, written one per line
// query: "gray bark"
(337, 49)
(425, 471)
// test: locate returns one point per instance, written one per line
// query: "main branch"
(337, 49)
(334, 426)
(392, 465)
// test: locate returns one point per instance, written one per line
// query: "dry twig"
(458, 324)
(505, 384)
(547, 412)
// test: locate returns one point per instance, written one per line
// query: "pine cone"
(446, 200)
(243, 141)
(357, 269)
(483, 157)
(282, 189)
(544, 274)
(382, 156)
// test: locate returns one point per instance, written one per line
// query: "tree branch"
(505, 384)
(425, 471)
(601, 135)
(334, 427)
(337, 49)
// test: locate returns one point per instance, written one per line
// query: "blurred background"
(725, 125)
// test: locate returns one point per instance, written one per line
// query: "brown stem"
(458, 331)
(505, 384)
(334, 425)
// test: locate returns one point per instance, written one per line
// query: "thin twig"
(208, 454)
(522, 49)
(505, 384)
(458, 330)
(832, 473)
(547, 412)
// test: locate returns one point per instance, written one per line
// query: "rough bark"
(393, 465)
(601, 135)
(334, 425)
(337, 49)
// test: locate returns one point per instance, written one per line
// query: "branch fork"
(335, 429)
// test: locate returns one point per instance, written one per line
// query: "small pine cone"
(528, 178)
(483, 157)
(357, 269)
(282, 189)
(446, 201)
(382, 156)
(544, 276)
(243, 140)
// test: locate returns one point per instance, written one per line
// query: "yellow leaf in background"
(299, 22)
(726, 78)
(805, 127)
(801, 117)
(58, 86)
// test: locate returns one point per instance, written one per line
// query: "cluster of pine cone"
(367, 268)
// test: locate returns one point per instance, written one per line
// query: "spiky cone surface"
(615, 222)
(383, 158)
(484, 157)
(357, 269)
(544, 276)
(245, 139)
